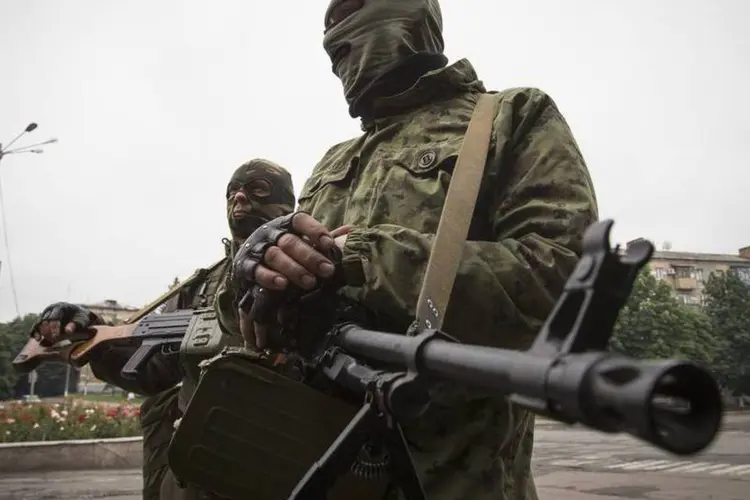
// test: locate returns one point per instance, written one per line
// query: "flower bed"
(72, 419)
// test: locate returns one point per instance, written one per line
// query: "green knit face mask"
(267, 193)
(366, 38)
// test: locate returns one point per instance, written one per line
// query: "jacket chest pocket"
(407, 186)
(325, 194)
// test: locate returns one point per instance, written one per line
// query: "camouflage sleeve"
(540, 200)
(157, 375)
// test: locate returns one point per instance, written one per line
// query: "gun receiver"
(157, 332)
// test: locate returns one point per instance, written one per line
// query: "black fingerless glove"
(253, 250)
(65, 313)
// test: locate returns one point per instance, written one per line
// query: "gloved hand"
(280, 263)
(293, 248)
(60, 319)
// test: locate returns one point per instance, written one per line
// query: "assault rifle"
(154, 333)
(150, 332)
(249, 432)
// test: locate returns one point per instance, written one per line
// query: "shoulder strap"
(204, 295)
(455, 219)
(197, 275)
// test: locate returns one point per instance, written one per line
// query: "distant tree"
(13, 336)
(699, 341)
(654, 324)
(8, 378)
(728, 307)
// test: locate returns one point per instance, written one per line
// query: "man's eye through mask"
(341, 10)
(258, 189)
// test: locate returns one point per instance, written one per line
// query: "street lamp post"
(35, 149)
(31, 148)
(5, 150)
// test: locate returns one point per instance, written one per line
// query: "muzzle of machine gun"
(673, 405)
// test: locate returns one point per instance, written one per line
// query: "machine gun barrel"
(674, 405)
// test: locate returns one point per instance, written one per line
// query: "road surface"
(569, 463)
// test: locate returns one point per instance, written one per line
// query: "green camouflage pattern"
(535, 202)
(226, 307)
(158, 414)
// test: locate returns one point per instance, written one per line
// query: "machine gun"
(250, 432)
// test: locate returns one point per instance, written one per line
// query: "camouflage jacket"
(535, 201)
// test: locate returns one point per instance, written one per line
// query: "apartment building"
(687, 272)
(111, 310)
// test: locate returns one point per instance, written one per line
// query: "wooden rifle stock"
(73, 349)
(33, 354)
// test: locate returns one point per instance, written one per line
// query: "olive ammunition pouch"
(203, 340)
(250, 432)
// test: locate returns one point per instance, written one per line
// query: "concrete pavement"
(569, 463)
(576, 448)
(573, 463)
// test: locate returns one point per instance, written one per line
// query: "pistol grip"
(140, 357)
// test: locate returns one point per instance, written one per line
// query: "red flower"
(112, 413)
(81, 417)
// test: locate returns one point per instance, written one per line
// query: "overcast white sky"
(156, 103)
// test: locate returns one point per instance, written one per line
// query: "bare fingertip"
(326, 242)
(326, 269)
(279, 281)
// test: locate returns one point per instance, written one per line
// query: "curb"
(85, 454)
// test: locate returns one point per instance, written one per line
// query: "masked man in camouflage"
(388, 186)
(258, 191)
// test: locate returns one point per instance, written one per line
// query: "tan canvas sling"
(453, 228)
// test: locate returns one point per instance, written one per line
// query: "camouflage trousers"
(486, 457)
(158, 414)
